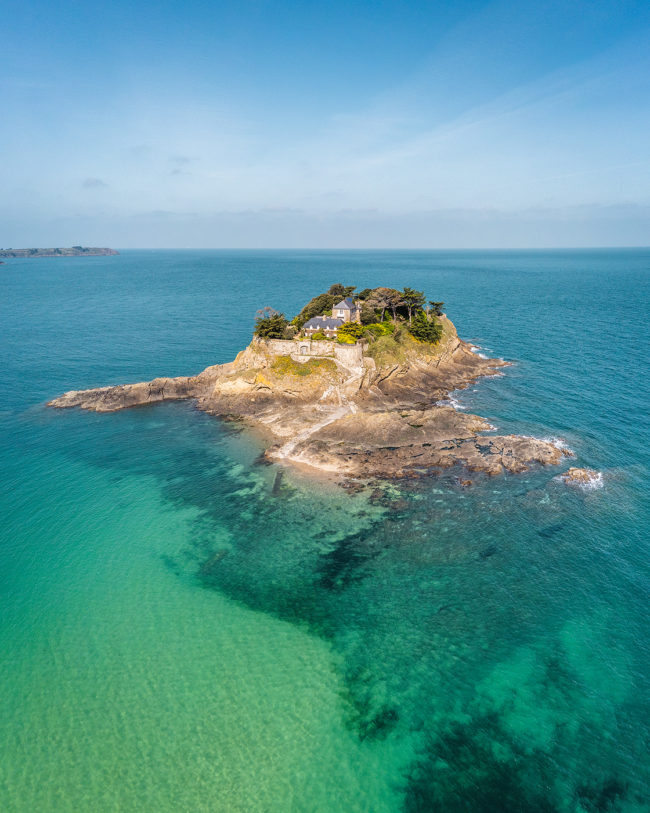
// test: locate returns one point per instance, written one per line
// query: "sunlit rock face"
(340, 409)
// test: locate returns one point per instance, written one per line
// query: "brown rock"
(578, 476)
(369, 421)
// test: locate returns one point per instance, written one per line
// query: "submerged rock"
(582, 477)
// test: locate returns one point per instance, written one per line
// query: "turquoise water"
(178, 635)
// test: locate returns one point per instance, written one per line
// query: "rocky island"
(357, 386)
(73, 251)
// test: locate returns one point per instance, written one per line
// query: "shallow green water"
(179, 634)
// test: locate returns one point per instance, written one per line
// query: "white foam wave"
(559, 443)
(596, 481)
(476, 348)
(450, 401)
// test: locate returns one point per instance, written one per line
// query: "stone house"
(347, 310)
(328, 325)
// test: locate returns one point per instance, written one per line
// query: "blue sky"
(325, 124)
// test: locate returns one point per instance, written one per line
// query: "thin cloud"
(94, 183)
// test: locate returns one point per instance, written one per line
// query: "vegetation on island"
(270, 324)
(387, 316)
(322, 304)
(285, 365)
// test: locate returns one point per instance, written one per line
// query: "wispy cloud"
(94, 183)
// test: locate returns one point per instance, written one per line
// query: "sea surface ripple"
(182, 629)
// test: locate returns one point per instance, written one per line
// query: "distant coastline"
(73, 251)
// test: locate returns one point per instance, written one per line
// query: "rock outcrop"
(582, 477)
(378, 415)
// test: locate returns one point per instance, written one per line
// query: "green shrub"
(318, 336)
(386, 350)
(285, 365)
(349, 333)
(269, 324)
(426, 330)
(377, 329)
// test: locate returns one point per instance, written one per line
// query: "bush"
(426, 330)
(269, 324)
(318, 336)
(349, 333)
(285, 365)
(377, 329)
(387, 350)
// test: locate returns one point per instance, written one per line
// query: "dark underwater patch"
(343, 565)
(603, 799)
(487, 552)
(550, 530)
(458, 773)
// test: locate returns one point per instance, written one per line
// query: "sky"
(356, 124)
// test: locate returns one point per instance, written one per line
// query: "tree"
(394, 301)
(318, 306)
(368, 314)
(382, 298)
(379, 301)
(424, 329)
(341, 291)
(349, 332)
(269, 324)
(414, 300)
(436, 307)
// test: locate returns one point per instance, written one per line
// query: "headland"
(73, 251)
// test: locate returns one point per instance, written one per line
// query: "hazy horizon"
(288, 125)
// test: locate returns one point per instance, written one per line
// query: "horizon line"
(394, 248)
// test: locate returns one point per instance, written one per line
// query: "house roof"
(345, 304)
(320, 322)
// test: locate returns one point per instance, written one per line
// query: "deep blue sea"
(177, 635)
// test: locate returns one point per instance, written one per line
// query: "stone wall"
(350, 354)
(303, 349)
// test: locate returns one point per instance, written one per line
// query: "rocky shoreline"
(344, 413)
